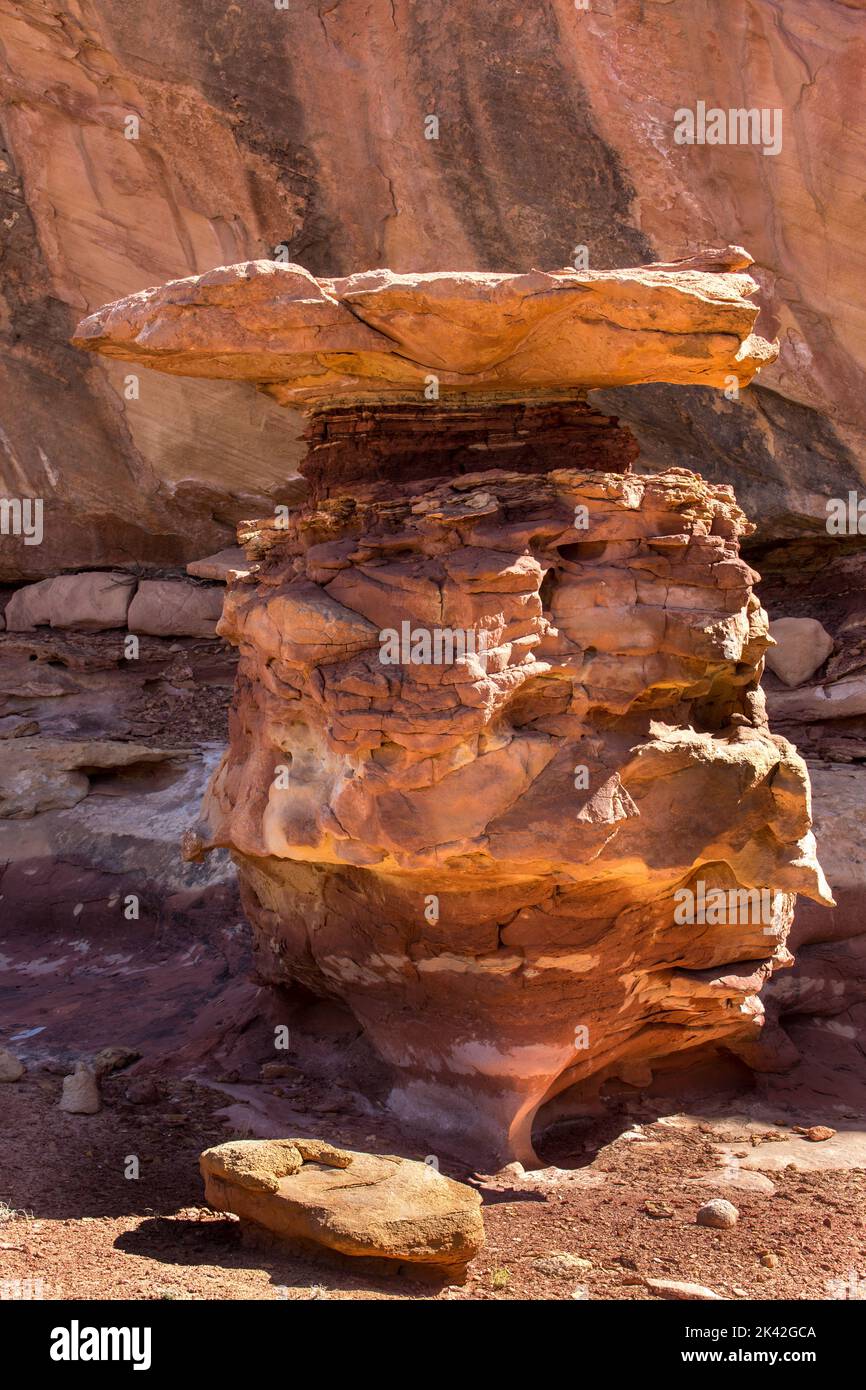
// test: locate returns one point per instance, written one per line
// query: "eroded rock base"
(484, 852)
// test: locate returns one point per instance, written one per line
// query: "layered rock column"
(499, 774)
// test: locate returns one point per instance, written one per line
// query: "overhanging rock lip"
(377, 335)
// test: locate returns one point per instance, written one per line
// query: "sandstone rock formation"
(379, 336)
(498, 709)
(359, 1205)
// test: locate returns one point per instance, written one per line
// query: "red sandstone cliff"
(259, 127)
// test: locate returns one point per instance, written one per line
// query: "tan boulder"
(11, 1067)
(355, 1204)
(30, 607)
(92, 602)
(175, 608)
(46, 774)
(260, 1165)
(80, 1092)
(802, 646)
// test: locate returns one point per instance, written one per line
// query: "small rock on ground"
(676, 1288)
(719, 1213)
(11, 1067)
(80, 1092)
(561, 1265)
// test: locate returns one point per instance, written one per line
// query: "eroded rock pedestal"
(498, 698)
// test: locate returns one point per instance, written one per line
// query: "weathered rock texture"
(480, 849)
(45, 774)
(358, 1205)
(378, 336)
(427, 854)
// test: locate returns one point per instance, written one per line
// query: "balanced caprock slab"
(498, 709)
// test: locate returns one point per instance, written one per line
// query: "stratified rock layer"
(307, 129)
(481, 855)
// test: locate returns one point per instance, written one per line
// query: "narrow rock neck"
(406, 442)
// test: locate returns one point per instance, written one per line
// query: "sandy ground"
(76, 1223)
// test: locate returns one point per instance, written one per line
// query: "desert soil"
(74, 1221)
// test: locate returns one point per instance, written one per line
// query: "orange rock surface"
(379, 336)
(498, 703)
(482, 856)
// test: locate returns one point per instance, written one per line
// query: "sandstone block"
(802, 646)
(92, 602)
(174, 608)
(353, 1203)
(378, 335)
(220, 565)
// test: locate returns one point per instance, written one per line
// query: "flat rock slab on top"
(379, 336)
(354, 1204)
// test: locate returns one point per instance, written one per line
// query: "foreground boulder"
(356, 1204)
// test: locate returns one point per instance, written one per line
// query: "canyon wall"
(305, 128)
(302, 133)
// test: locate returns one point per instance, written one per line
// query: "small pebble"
(11, 1067)
(719, 1213)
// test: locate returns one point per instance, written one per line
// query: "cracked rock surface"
(378, 335)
